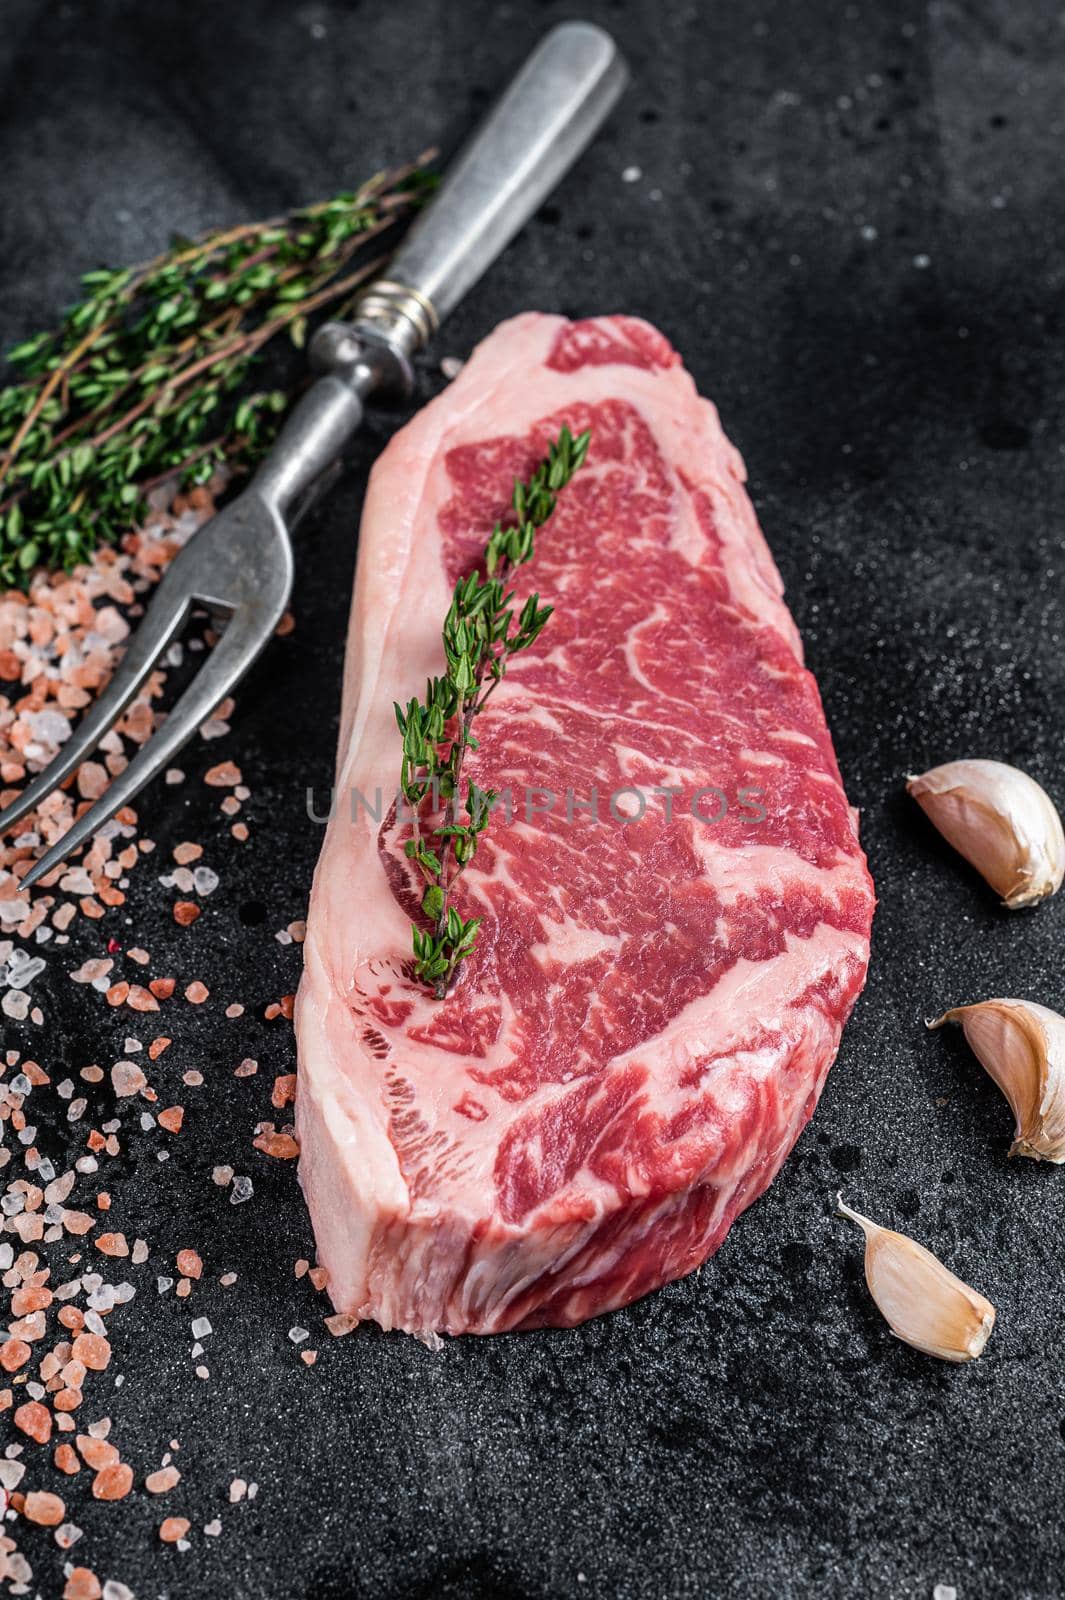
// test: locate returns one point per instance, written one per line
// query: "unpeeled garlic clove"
(1022, 1046)
(1001, 821)
(924, 1304)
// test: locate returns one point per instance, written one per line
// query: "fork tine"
(163, 619)
(246, 634)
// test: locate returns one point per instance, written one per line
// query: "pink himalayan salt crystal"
(341, 1323)
(223, 776)
(127, 1078)
(111, 624)
(92, 780)
(159, 1482)
(90, 971)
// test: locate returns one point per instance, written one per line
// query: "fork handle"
(545, 119)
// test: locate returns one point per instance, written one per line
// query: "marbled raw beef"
(654, 1002)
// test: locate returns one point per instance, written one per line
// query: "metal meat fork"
(239, 565)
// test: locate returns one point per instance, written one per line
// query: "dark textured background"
(850, 220)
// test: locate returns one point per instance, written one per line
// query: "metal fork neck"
(357, 362)
(394, 311)
(379, 343)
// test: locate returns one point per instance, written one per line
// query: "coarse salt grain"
(340, 1323)
(162, 1480)
(113, 1482)
(46, 1509)
(224, 776)
(127, 1079)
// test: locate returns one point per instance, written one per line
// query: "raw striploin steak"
(655, 997)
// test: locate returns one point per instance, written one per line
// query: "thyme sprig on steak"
(480, 634)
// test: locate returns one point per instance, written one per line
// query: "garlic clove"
(1022, 1046)
(1001, 821)
(924, 1304)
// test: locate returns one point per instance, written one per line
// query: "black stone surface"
(850, 220)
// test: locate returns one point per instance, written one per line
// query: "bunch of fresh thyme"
(478, 643)
(139, 382)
